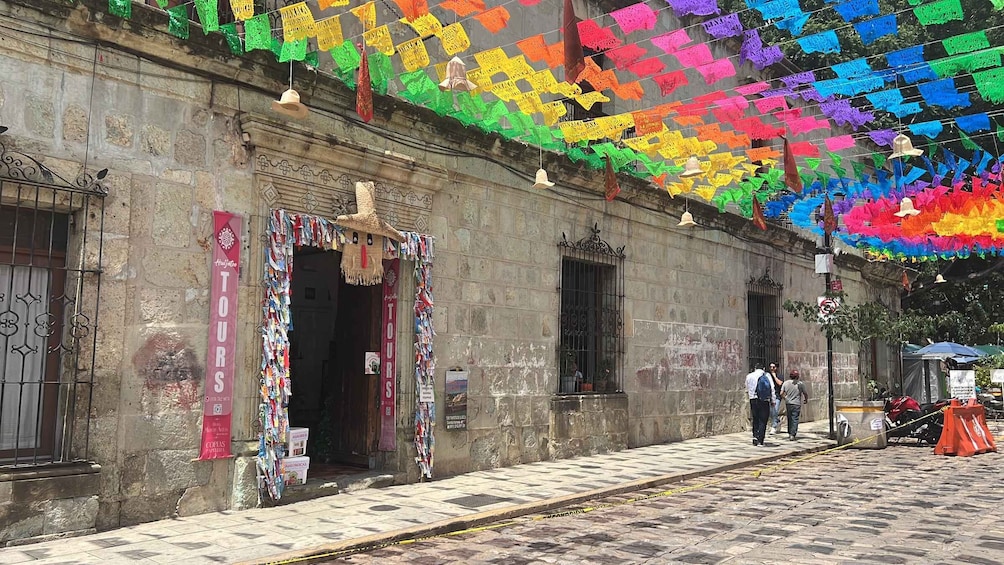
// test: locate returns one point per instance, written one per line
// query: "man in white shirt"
(759, 407)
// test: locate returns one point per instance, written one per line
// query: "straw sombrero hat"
(366, 219)
(289, 105)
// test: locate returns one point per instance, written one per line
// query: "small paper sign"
(426, 393)
(997, 376)
(371, 365)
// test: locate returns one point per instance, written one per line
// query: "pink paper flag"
(635, 17)
(717, 70)
(787, 115)
(670, 42)
(694, 56)
(765, 105)
(750, 89)
(839, 142)
(647, 67)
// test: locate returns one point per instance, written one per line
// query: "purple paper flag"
(767, 57)
(695, 7)
(725, 26)
(882, 137)
(796, 79)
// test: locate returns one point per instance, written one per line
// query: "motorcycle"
(903, 419)
(992, 403)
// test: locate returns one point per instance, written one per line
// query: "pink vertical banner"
(222, 337)
(388, 357)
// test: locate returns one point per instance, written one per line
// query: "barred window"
(592, 325)
(763, 310)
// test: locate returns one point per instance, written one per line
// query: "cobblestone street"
(898, 505)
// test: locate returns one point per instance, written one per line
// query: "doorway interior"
(334, 325)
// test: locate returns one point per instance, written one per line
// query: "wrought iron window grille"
(764, 319)
(50, 267)
(591, 338)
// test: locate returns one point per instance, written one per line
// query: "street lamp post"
(828, 249)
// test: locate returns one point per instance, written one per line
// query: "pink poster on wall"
(222, 336)
(388, 356)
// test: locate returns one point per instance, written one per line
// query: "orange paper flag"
(413, 9)
(574, 61)
(463, 8)
(758, 219)
(611, 188)
(495, 19)
(791, 177)
(905, 279)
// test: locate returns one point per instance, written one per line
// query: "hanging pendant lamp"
(692, 168)
(903, 146)
(456, 77)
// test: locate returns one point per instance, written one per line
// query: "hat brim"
(463, 85)
(294, 110)
(904, 213)
(910, 152)
(543, 184)
(689, 174)
(683, 224)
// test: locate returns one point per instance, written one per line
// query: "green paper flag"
(493, 113)
(293, 51)
(440, 102)
(990, 85)
(276, 48)
(470, 104)
(968, 63)
(1000, 226)
(879, 160)
(347, 60)
(177, 21)
(575, 154)
(209, 16)
(419, 89)
(813, 162)
(968, 143)
(381, 70)
(835, 157)
(311, 59)
(121, 8)
(233, 40)
(257, 33)
(824, 179)
(806, 178)
(939, 12)
(859, 169)
(840, 171)
(966, 43)
(1000, 129)
(998, 4)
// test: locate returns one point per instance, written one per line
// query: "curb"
(482, 518)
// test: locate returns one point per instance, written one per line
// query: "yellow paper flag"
(297, 22)
(553, 111)
(329, 33)
(507, 91)
(588, 99)
(242, 9)
(455, 39)
(425, 25)
(542, 81)
(480, 78)
(705, 192)
(325, 4)
(529, 102)
(366, 14)
(413, 54)
(379, 39)
(492, 61)
(517, 68)
(567, 90)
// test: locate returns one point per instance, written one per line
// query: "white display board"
(962, 384)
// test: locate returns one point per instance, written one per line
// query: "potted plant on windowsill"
(605, 377)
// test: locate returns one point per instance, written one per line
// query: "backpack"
(764, 389)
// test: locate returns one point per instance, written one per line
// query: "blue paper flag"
(914, 174)
(793, 25)
(853, 68)
(908, 109)
(871, 30)
(918, 72)
(910, 64)
(930, 130)
(960, 169)
(825, 42)
(885, 99)
(983, 163)
(774, 9)
(854, 9)
(973, 123)
(943, 93)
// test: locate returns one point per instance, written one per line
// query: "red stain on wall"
(169, 368)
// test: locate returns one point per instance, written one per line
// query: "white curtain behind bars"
(23, 375)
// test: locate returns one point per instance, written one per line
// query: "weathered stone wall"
(49, 503)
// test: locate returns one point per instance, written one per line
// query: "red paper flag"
(413, 9)
(612, 189)
(906, 282)
(829, 219)
(575, 63)
(758, 219)
(364, 90)
(791, 177)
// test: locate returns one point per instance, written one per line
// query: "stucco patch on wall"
(672, 356)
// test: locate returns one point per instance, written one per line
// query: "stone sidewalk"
(406, 511)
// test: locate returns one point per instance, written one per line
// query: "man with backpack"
(760, 389)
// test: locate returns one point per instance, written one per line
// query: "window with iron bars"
(50, 254)
(764, 317)
(591, 325)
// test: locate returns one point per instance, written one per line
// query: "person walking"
(776, 404)
(795, 396)
(759, 389)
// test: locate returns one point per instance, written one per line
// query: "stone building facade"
(181, 129)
